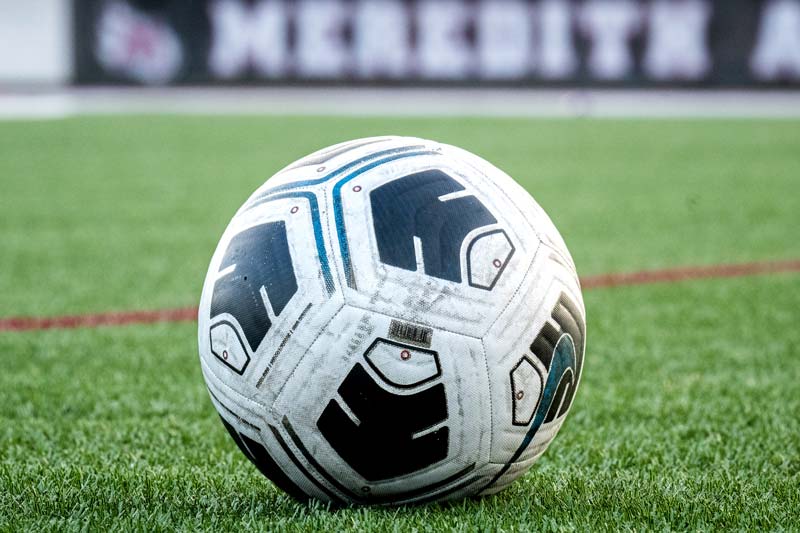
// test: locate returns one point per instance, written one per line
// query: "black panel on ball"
(382, 445)
(260, 256)
(410, 207)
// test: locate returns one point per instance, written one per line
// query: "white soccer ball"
(391, 320)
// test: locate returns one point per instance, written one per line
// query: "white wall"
(35, 41)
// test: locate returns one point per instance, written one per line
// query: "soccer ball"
(391, 320)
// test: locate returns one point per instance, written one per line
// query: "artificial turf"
(688, 416)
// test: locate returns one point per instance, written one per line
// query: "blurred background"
(565, 47)
(131, 132)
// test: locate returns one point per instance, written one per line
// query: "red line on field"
(672, 275)
(121, 318)
(187, 314)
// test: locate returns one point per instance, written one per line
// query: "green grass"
(688, 416)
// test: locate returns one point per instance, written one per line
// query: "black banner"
(616, 43)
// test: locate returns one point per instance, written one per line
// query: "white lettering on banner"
(777, 51)
(514, 40)
(243, 37)
(557, 51)
(442, 49)
(321, 51)
(381, 39)
(504, 39)
(676, 44)
(609, 26)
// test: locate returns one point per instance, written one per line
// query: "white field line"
(16, 105)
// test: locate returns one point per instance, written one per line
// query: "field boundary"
(601, 281)
(568, 102)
